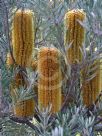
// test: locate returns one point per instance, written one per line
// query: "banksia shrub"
(49, 78)
(23, 37)
(74, 33)
(91, 89)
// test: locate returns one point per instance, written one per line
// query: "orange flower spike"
(92, 88)
(23, 37)
(50, 78)
(74, 33)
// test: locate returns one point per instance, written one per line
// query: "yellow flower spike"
(23, 37)
(49, 78)
(9, 60)
(74, 33)
(92, 88)
(23, 108)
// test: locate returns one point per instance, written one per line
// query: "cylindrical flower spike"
(74, 33)
(92, 88)
(23, 37)
(49, 78)
(9, 60)
(23, 108)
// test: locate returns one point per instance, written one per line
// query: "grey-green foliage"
(10, 128)
(93, 11)
(44, 124)
(58, 131)
(75, 120)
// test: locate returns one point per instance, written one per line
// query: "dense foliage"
(74, 118)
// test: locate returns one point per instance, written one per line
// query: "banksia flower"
(9, 60)
(49, 78)
(24, 108)
(23, 37)
(74, 33)
(91, 89)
